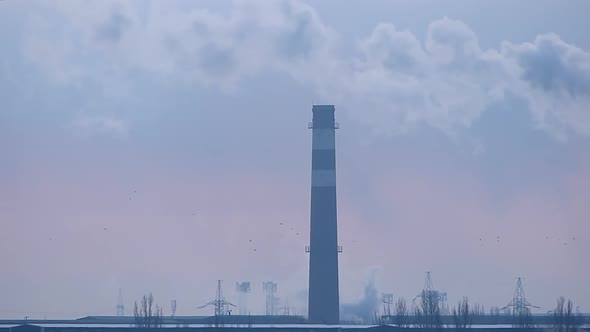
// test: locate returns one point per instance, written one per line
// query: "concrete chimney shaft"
(324, 303)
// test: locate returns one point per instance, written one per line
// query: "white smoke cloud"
(446, 83)
(365, 309)
(393, 81)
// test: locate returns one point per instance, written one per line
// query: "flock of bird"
(482, 240)
(283, 224)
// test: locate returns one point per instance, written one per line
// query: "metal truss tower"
(270, 290)
(220, 305)
(519, 304)
(432, 297)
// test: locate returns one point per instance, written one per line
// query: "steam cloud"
(364, 310)
(395, 80)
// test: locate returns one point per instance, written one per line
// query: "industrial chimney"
(324, 303)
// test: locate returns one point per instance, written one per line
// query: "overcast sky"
(158, 145)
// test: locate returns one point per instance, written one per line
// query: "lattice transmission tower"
(220, 304)
(519, 304)
(431, 297)
(270, 289)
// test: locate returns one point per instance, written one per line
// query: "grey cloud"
(394, 82)
(254, 37)
(553, 65)
(216, 60)
(449, 82)
(441, 83)
(406, 55)
(113, 28)
(452, 39)
(301, 32)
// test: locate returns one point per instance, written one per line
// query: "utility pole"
(173, 307)
(120, 306)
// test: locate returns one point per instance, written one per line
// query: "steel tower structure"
(520, 305)
(270, 290)
(432, 297)
(324, 303)
(220, 304)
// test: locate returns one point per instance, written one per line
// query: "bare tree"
(462, 317)
(522, 318)
(495, 313)
(571, 322)
(418, 317)
(401, 312)
(428, 312)
(377, 319)
(478, 310)
(146, 315)
(559, 315)
(564, 318)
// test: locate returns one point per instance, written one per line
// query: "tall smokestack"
(324, 303)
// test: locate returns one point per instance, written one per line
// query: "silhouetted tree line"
(401, 311)
(564, 318)
(147, 314)
(462, 317)
(428, 314)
